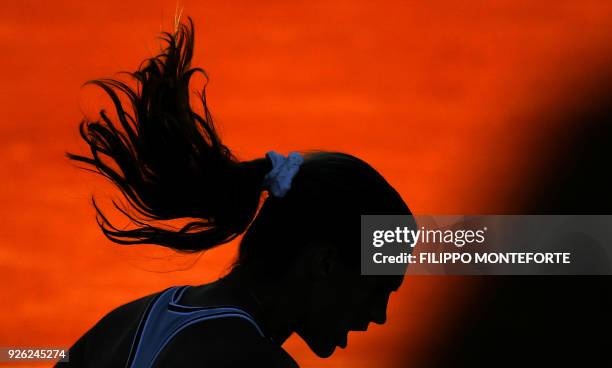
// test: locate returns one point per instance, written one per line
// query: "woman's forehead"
(385, 282)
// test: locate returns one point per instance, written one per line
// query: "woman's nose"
(379, 313)
(380, 319)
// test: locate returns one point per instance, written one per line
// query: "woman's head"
(328, 195)
(169, 163)
(312, 235)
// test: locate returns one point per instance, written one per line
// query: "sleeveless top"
(164, 318)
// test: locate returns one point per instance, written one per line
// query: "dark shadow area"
(549, 321)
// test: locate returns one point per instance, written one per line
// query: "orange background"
(440, 96)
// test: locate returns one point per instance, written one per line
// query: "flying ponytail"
(171, 162)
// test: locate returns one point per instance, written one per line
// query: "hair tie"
(278, 180)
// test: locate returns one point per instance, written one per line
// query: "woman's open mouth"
(343, 340)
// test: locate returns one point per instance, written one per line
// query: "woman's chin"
(324, 351)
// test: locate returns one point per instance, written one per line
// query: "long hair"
(168, 160)
(169, 163)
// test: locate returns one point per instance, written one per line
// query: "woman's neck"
(271, 303)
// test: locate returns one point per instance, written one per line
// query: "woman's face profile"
(341, 300)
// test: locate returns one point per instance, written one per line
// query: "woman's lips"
(343, 340)
(361, 327)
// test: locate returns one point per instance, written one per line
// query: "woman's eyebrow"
(395, 285)
(387, 286)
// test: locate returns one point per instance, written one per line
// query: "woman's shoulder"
(223, 342)
(124, 315)
(111, 335)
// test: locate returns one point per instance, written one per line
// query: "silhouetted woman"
(298, 268)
